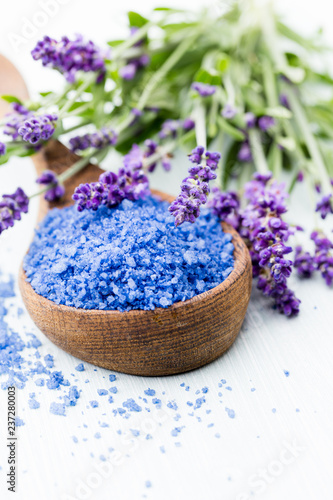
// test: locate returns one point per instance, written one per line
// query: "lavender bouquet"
(200, 83)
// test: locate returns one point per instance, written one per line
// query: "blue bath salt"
(112, 377)
(231, 413)
(131, 405)
(33, 404)
(128, 257)
(80, 367)
(286, 373)
(72, 397)
(102, 392)
(58, 409)
(114, 390)
(94, 404)
(49, 362)
(19, 422)
(150, 392)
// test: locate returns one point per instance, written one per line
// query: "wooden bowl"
(182, 337)
(177, 339)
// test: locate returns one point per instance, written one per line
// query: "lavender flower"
(223, 204)
(266, 122)
(204, 89)
(229, 111)
(169, 129)
(15, 119)
(69, 56)
(11, 208)
(56, 191)
(323, 258)
(195, 187)
(250, 120)
(245, 154)
(2, 149)
(129, 71)
(98, 140)
(188, 124)
(265, 233)
(38, 128)
(284, 101)
(304, 263)
(324, 206)
(130, 183)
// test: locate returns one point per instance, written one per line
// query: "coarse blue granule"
(58, 409)
(72, 397)
(80, 367)
(112, 377)
(150, 392)
(114, 390)
(128, 257)
(49, 361)
(131, 405)
(231, 413)
(102, 392)
(94, 404)
(33, 404)
(286, 372)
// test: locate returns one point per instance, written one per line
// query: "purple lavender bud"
(287, 303)
(98, 140)
(195, 188)
(196, 154)
(188, 124)
(223, 204)
(304, 263)
(245, 154)
(204, 89)
(38, 128)
(132, 66)
(266, 122)
(324, 206)
(300, 176)
(229, 111)
(169, 129)
(56, 190)
(323, 258)
(70, 56)
(264, 178)
(128, 72)
(11, 208)
(284, 101)
(151, 149)
(15, 119)
(250, 120)
(2, 149)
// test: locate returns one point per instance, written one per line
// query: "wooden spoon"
(177, 339)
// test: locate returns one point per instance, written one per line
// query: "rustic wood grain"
(179, 338)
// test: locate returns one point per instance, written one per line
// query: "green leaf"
(11, 98)
(205, 76)
(222, 63)
(278, 112)
(136, 20)
(229, 129)
(114, 43)
(44, 94)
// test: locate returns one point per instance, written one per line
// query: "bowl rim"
(240, 265)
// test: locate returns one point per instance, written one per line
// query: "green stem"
(200, 124)
(258, 152)
(77, 94)
(164, 69)
(302, 122)
(138, 35)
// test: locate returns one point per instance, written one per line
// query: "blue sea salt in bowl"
(126, 290)
(128, 257)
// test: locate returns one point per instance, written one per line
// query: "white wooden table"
(279, 443)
